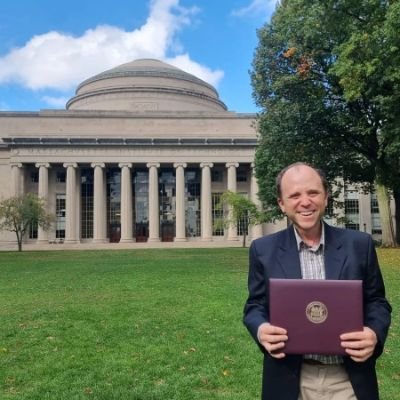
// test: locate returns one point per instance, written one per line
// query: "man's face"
(303, 198)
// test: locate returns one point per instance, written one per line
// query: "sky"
(48, 47)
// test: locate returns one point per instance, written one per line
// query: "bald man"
(311, 249)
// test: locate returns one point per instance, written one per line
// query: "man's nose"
(305, 200)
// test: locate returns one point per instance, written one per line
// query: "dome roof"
(146, 85)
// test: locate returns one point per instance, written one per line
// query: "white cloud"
(256, 8)
(59, 61)
(186, 64)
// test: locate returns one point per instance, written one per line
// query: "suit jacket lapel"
(288, 255)
(334, 254)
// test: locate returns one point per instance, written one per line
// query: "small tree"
(239, 208)
(18, 213)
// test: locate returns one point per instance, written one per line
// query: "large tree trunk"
(396, 195)
(388, 238)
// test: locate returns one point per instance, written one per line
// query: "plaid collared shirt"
(313, 267)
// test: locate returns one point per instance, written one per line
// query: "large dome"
(146, 85)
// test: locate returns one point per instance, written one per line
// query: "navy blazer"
(348, 254)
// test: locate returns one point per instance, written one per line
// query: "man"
(311, 249)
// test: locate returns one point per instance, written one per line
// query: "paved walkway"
(117, 246)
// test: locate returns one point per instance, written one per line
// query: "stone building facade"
(142, 153)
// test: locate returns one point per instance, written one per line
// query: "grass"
(140, 325)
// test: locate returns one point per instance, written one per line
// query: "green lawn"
(140, 325)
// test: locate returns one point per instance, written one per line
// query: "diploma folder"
(315, 313)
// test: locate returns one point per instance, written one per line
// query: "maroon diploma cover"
(315, 313)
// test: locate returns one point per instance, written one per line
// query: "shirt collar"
(300, 241)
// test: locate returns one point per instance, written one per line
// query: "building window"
(217, 175)
(217, 214)
(193, 193)
(243, 223)
(351, 210)
(33, 231)
(141, 206)
(374, 204)
(60, 215)
(167, 202)
(114, 204)
(242, 174)
(34, 176)
(87, 203)
(60, 176)
(376, 227)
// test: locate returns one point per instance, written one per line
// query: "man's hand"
(359, 345)
(273, 339)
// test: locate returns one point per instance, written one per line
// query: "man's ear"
(281, 205)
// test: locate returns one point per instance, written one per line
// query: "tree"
(239, 209)
(18, 213)
(325, 75)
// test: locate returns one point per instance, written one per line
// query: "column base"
(233, 238)
(42, 241)
(207, 239)
(178, 239)
(126, 240)
(153, 240)
(99, 241)
(71, 241)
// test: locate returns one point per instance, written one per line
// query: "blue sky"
(48, 47)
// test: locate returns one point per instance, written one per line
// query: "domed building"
(142, 153)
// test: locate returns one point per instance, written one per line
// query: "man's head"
(303, 196)
(297, 164)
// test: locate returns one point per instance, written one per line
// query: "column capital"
(70, 164)
(125, 164)
(232, 164)
(205, 164)
(153, 164)
(42, 164)
(98, 164)
(16, 164)
(180, 164)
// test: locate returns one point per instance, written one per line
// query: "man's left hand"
(359, 345)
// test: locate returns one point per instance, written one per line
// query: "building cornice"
(51, 141)
(127, 114)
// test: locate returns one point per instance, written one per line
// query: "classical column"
(78, 201)
(154, 211)
(232, 187)
(180, 232)
(206, 206)
(17, 183)
(126, 203)
(256, 230)
(99, 204)
(43, 193)
(71, 228)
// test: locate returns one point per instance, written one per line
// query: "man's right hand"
(273, 339)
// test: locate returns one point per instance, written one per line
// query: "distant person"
(311, 249)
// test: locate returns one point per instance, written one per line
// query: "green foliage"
(141, 325)
(326, 77)
(18, 213)
(239, 208)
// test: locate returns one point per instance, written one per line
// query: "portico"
(134, 201)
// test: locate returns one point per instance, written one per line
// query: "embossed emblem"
(316, 312)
